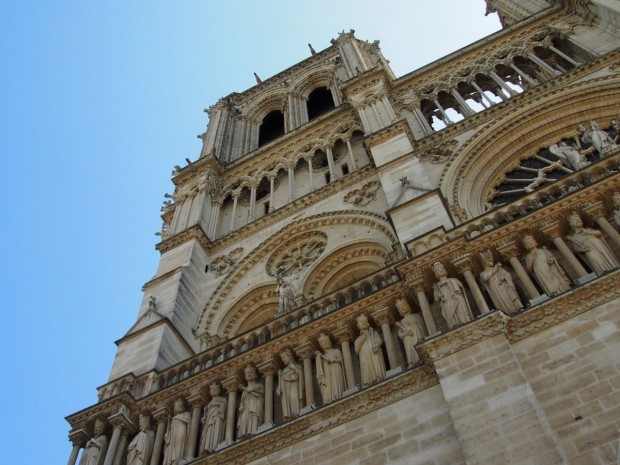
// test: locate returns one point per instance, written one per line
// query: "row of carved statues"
(331, 373)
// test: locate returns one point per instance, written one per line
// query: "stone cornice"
(193, 232)
(399, 127)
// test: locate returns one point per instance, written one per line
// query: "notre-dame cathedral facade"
(361, 268)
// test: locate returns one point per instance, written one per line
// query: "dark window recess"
(271, 128)
(345, 169)
(320, 101)
(266, 208)
(327, 178)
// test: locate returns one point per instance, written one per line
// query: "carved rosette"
(297, 254)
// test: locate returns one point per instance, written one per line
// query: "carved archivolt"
(253, 309)
(344, 266)
(371, 221)
(498, 147)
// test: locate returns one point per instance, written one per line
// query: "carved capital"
(305, 350)
(268, 367)
(509, 250)
(161, 414)
(418, 284)
(595, 210)
(383, 316)
(79, 437)
(343, 334)
(231, 384)
(552, 230)
(197, 398)
(463, 264)
(122, 419)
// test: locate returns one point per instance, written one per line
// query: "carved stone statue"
(286, 300)
(95, 448)
(177, 435)
(251, 407)
(290, 385)
(141, 446)
(213, 420)
(592, 246)
(545, 268)
(616, 201)
(410, 329)
(450, 294)
(569, 156)
(329, 370)
(499, 285)
(600, 139)
(368, 347)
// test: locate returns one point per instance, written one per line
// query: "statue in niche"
(499, 285)
(286, 300)
(615, 129)
(545, 267)
(571, 157)
(368, 347)
(213, 420)
(600, 139)
(410, 329)
(290, 385)
(615, 198)
(141, 446)
(329, 370)
(251, 407)
(450, 294)
(177, 435)
(95, 448)
(590, 243)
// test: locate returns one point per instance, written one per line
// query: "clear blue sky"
(99, 100)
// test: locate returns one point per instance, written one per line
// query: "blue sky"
(99, 102)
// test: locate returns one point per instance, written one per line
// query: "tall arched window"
(271, 128)
(320, 101)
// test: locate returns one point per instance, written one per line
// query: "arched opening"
(271, 128)
(320, 101)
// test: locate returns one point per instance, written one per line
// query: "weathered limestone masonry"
(367, 269)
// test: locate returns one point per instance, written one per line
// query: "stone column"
(543, 65)
(197, 400)
(425, 307)
(235, 197)
(231, 385)
(384, 317)
(510, 252)
(521, 73)
(215, 216)
(161, 416)
(330, 165)
(120, 421)
(553, 232)
(120, 451)
(344, 336)
(482, 94)
(271, 188)
(467, 111)
(562, 54)
(501, 83)
(291, 184)
(78, 438)
(447, 120)
(305, 351)
(596, 211)
(252, 214)
(311, 173)
(268, 369)
(464, 266)
(351, 157)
